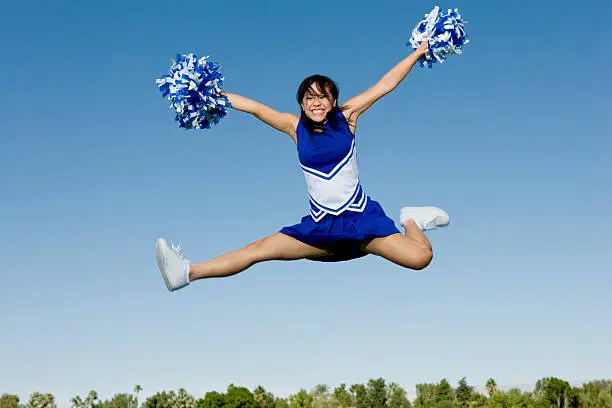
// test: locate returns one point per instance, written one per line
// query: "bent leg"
(279, 246)
(412, 250)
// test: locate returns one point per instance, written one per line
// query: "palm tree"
(77, 402)
(137, 389)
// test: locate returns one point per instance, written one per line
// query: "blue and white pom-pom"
(193, 86)
(445, 32)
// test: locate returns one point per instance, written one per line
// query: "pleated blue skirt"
(343, 235)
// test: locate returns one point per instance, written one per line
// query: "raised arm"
(360, 103)
(284, 122)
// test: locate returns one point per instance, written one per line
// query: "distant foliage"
(549, 392)
(40, 400)
(122, 400)
(9, 401)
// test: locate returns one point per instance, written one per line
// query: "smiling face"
(317, 96)
(317, 103)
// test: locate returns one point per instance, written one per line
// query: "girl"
(344, 222)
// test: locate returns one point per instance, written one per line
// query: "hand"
(422, 50)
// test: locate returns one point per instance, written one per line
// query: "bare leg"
(412, 250)
(278, 246)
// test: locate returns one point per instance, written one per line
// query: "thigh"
(401, 250)
(283, 247)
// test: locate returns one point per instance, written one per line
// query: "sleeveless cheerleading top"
(329, 163)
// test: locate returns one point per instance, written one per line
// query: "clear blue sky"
(512, 139)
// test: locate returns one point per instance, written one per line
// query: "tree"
(301, 399)
(320, 396)
(264, 398)
(397, 397)
(212, 399)
(40, 400)
(426, 396)
(463, 394)
(91, 401)
(183, 400)
(121, 400)
(491, 387)
(519, 399)
(439, 395)
(259, 393)
(239, 397)
(498, 399)
(160, 400)
(595, 394)
(137, 389)
(553, 391)
(342, 397)
(77, 402)
(377, 393)
(281, 402)
(9, 401)
(444, 394)
(478, 400)
(360, 395)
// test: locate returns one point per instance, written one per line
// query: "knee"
(422, 259)
(257, 250)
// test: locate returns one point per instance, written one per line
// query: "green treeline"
(549, 392)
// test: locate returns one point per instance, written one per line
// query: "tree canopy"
(549, 392)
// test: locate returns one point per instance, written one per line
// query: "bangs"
(318, 88)
(323, 87)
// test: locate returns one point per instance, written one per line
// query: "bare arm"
(360, 103)
(284, 122)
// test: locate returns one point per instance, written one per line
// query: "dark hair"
(329, 88)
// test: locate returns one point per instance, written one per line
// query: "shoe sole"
(159, 256)
(442, 225)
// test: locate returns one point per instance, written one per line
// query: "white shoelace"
(177, 249)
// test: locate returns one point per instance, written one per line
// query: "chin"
(319, 118)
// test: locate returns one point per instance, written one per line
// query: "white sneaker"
(425, 217)
(172, 265)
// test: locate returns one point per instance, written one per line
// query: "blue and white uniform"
(342, 216)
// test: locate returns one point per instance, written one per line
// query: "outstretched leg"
(412, 250)
(179, 272)
(277, 247)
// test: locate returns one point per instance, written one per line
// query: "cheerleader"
(344, 222)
